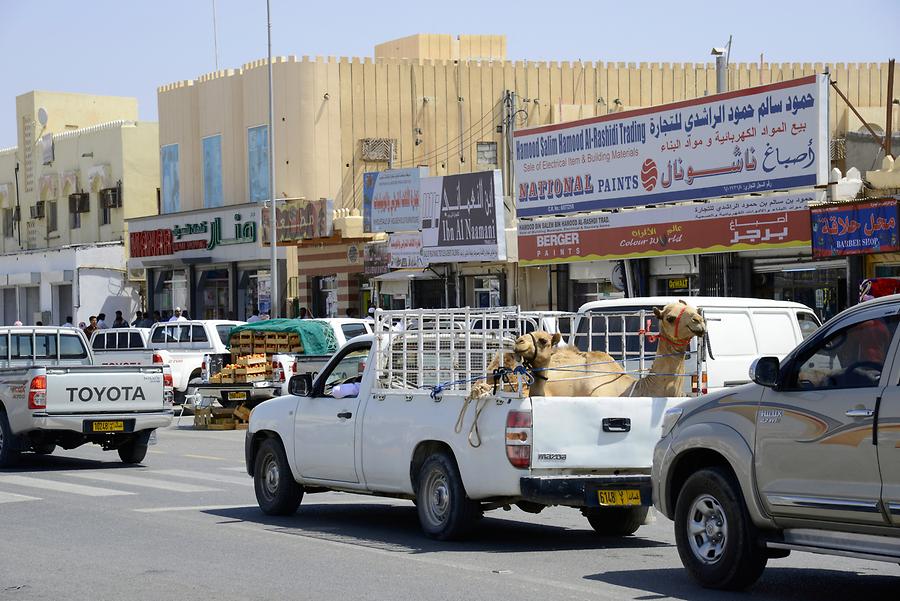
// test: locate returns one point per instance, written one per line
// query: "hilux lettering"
(106, 393)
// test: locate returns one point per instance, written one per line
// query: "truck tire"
(716, 540)
(616, 521)
(135, 449)
(277, 493)
(445, 512)
(8, 456)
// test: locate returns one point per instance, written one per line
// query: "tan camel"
(508, 383)
(570, 372)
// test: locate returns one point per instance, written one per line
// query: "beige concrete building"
(430, 100)
(83, 164)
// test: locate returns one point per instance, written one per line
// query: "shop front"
(210, 263)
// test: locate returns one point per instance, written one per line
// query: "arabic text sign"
(853, 229)
(463, 218)
(375, 258)
(406, 250)
(767, 138)
(391, 200)
(298, 220)
(224, 228)
(758, 223)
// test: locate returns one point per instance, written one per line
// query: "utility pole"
(273, 234)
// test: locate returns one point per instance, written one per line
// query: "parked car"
(53, 393)
(738, 329)
(806, 458)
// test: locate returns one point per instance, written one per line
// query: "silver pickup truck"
(806, 458)
(52, 394)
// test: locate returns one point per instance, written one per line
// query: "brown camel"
(569, 372)
(508, 383)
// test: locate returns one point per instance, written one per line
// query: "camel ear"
(658, 312)
(682, 301)
(555, 340)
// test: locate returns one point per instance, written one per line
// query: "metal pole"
(273, 234)
(721, 73)
(889, 126)
(215, 36)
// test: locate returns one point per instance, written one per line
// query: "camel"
(569, 372)
(483, 388)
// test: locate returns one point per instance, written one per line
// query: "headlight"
(671, 417)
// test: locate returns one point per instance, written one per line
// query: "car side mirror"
(300, 385)
(764, 371)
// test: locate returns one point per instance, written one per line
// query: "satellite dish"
(42, 116)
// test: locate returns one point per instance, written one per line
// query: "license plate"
(237, 396)
(108, 426)
(619, 498)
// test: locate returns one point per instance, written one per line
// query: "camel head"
(535, 348)
(679, 322)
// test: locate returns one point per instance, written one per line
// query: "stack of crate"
(221, 418)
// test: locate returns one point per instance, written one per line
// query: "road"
(80, 525)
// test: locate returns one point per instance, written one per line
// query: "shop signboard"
(855, 228)
(405, 250)
(463, 218)
(375, 258)
(752, 223)
(300, 219)
(391, 200)
(195, 235)
(759, 139)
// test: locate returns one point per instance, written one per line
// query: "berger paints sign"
(759, 139)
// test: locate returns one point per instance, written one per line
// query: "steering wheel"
(857, 368)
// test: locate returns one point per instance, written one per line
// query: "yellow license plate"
(619, 498)
(237, 396)
(110, 426)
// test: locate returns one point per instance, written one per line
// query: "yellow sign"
(678, 284)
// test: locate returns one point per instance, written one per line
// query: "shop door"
(325, 299)
(63, 306)
(10, 307)
(32, 305)
(213, 294)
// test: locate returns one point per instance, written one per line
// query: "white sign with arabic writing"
(406, 250)
(761, 139)
(391, 199)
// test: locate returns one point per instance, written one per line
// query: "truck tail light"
(157, 358)
(518, 438)
(168, 387)
(37, 393)
(277, 371)
(696, 386)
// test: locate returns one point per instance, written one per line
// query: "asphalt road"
(80, 525)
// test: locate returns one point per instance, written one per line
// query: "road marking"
(8, 497)
(142, 481)
(234, 469)
(224, 478)
(211, 458)
(192, 508)
(78, 489)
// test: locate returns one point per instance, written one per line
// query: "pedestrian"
(68, 323)
(119, 321)
(157, 317)
(176, 315)
(138, 318)
(101, 321)
(92, 326)
(255, 317)
(304, 313)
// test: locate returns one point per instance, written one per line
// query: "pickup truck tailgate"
(596, 432)
(104, 389)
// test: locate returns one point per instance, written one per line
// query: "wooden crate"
(242, 413)
(251, 359)
(202, 417)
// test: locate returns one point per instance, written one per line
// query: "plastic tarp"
(317, 336)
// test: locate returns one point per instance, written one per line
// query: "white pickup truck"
(52, 394)
(121, 346)
(390, 415)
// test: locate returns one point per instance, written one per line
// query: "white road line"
(78, 489)
(141, 481)
(8, 497)
(209, 457)
(234, 469)
(214, 477)
(191, 508)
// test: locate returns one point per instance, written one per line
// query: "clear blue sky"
(129, 47)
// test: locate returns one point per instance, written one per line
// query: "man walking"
(91, 327)
(176, 315)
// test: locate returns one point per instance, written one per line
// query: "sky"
(130, 47)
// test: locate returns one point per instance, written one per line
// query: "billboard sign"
(406, 250)
(754, 223)
(759, 139)
(855, 229)
(391, 200)
(300, 219)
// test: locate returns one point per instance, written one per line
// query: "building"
(83, 165)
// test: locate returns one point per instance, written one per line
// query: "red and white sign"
(406, 250)
(755, 223)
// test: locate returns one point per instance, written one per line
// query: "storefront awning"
(404, 275)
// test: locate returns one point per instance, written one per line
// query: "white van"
(739, 331)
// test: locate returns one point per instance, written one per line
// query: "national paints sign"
(755, 223)
(391, 200)
(760, 139)
(855, 228)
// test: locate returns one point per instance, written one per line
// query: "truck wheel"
(135, 449)
(445, 512)
(616, 521)
(276, 490)
(716, 539)
(8, 456)
(44, 448)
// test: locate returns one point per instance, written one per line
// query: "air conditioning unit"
(137, 275)
(110, 198)
(80, 202)
(37, 211)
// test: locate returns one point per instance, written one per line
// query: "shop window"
(258, 162)
(212, 171)
(487, 292)
(486, 153)
(52, 216)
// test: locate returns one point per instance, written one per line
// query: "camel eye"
(670, 319)
(543, 342)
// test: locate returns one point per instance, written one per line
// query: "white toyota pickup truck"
(52, 394)
(391, 415)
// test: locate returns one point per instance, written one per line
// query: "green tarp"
(317, 336)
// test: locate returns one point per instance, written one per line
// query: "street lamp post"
(273, 234)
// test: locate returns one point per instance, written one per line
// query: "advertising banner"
(224, 232)
(391, 200)
(855, 229)
(375, 258)
(299, 220)
(760, 139)
(463, 218)
(406, 250)
(755, 223)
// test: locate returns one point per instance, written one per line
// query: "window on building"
(486, 153)
(8, 223)
(258, 162)
(171, 185)
(74, 221)
(212, 171)
(52, 216)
